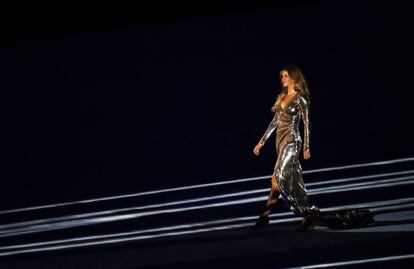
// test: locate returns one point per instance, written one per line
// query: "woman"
(292, 105)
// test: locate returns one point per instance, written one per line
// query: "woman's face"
(286, 80)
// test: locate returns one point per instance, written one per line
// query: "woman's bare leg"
(273, 197)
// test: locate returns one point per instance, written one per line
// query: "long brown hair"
(301, 86)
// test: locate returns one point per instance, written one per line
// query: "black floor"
(185, 229)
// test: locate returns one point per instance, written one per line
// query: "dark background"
(106, 100)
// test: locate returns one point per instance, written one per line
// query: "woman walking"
(293, 105)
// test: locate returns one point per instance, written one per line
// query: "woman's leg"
(273, 197)
(263, 220)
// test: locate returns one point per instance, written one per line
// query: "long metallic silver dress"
(287, 170)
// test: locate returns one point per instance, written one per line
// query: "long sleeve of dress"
(304, 105)
(272, 126)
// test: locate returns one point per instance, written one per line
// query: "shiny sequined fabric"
(287, 170)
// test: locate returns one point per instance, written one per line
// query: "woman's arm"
(272, 126)
(304, 105)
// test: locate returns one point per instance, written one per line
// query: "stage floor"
(210, 227)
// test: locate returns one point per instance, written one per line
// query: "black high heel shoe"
(307, 224)
(262, 222)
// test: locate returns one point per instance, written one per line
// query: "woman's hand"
(306, 155)
(256, 150)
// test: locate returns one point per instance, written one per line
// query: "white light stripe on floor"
(348, 179)
(201, 186)
(90, 221)
(107, 212)
(362, 165)
(85, 219)
(388, 180)
(376, 206)
(363, 188)
(168, 228)
(387, 208)
(105, 242)
(136, 238)
(97, 220)
(352, 262)
(119, 210)
(112, 241)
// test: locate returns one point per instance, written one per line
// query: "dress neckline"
(291, 99)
